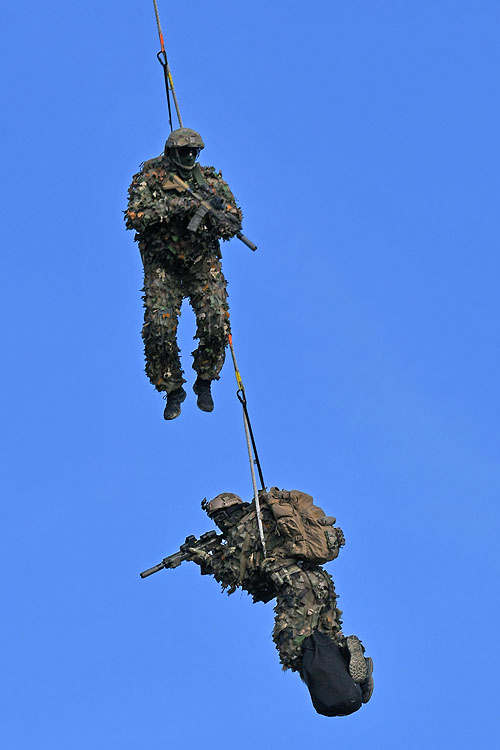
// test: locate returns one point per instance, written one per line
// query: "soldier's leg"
(329, 623)
(309, 639)
(206, 288)
(306, 602)
(162, 303)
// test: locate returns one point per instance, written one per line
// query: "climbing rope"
(253, 456)
(169, 82)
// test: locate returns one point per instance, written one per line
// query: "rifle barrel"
(150, 571)
(246, 241)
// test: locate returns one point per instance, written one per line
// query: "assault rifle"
(207, 541)
(214, 206)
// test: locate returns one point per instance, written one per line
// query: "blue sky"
(361, 140)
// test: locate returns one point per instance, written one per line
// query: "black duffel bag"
(324, 670)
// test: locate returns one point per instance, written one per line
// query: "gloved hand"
(266, 563)
(198, 556)
(217, 202)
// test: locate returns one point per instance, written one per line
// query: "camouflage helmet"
(220, 502)
(184, 137)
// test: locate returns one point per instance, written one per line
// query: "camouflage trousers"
(166, 284)
(305, 602)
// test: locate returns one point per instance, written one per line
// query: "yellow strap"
(236, 371)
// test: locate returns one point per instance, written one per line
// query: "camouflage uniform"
(304, 592)
(305, 603)
(180, 263)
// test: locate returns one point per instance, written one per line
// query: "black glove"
(217, 203)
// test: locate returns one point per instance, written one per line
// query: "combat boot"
(202, 390)
(357, 663)
(367, 685)
(174, 401)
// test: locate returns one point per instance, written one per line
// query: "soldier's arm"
(208, 561)
(201, 558)
(153, 198)
(145, 206)
(222, 191)
(222, 564)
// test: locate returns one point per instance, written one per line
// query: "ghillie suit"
(179, 263)
(307, 631)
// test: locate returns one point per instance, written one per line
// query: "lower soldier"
(307, 630)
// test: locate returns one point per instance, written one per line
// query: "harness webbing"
(253, 456)
(169, 82)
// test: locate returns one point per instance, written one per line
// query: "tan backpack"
(307, 532)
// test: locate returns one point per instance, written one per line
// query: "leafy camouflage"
(305, 602)
(304, 592)
(179, 263)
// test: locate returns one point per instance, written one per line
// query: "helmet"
(184, 137)
(222, 501)
(182, 147)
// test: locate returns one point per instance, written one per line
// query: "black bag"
(324, 670)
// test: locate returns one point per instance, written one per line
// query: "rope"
(250, 446)
(169, 82)
(243, 401)
(255, 491)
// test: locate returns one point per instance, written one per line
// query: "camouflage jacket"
(159, 213)
(239, 562)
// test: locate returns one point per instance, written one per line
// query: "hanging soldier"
(180, 210)
(285, 563)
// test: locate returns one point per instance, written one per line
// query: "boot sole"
(205, 408)
(357, 662)
(367, 687)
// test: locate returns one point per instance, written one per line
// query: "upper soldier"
(307, 632)
(179, 262)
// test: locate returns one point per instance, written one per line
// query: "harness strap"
(198, 175)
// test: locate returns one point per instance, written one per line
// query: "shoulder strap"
(198, 176)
